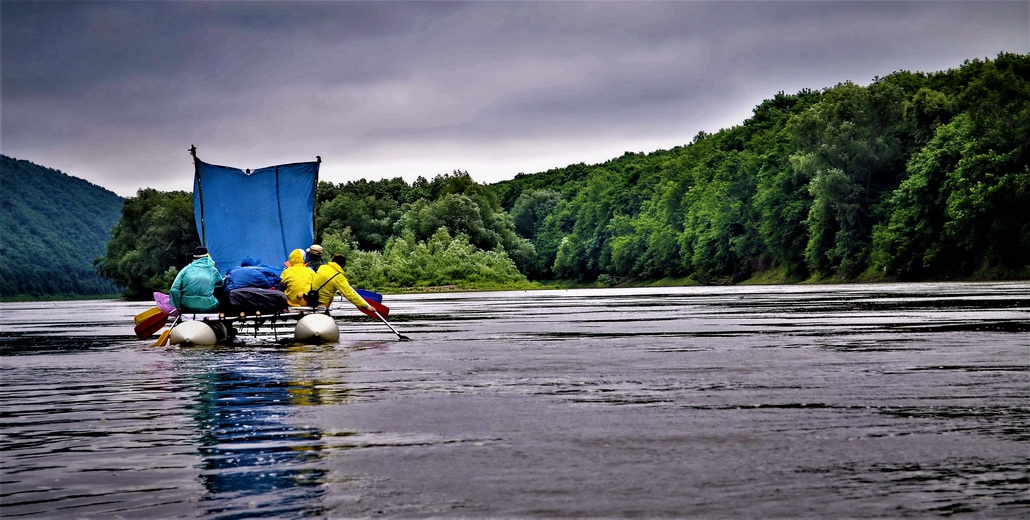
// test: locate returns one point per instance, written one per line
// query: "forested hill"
(915, 176)
(54, 225)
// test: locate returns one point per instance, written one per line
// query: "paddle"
(380, 308)
(149, 326)
(400, 336)
(375, 300)
(166, 335)
(141, 317)
(163, 339)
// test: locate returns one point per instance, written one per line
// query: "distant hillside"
(54, 225)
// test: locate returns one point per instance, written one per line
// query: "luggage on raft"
(252, 300)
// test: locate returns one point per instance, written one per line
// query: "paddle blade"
(149, 326)
(141, 317)
(369, 295)
(383, 310)
(375, 300)
(163, 339)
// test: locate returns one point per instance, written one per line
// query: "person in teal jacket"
(194, 287)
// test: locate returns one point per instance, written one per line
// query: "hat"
(200, 252)
(315, 249)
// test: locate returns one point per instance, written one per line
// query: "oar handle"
(399, 335)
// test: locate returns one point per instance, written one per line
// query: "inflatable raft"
(297, 327)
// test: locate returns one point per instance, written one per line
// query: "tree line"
(917, 176)
(450, 231)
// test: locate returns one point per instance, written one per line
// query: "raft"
(300, 325)
(257, 216)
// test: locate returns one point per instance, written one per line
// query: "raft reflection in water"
(256, 461)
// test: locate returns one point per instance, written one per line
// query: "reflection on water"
(256, 461)
(738, 402)
(95, 426)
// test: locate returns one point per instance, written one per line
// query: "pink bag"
(164, 302)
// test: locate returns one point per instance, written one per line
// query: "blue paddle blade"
(369, 295)
(375, 300)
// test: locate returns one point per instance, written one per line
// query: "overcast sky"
(116, 92)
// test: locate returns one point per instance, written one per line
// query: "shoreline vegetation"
(916, 177)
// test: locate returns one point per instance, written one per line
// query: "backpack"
(311, 297)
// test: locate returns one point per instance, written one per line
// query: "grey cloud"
(87, 82)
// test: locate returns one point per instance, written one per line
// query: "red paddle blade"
(383, 310)
(149, 326)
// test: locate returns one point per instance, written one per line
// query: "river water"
(740, 402)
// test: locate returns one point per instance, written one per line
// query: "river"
(839, 401)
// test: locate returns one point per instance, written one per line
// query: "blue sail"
(263, 214)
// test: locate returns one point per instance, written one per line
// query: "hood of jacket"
(297, 257)
(205, 261)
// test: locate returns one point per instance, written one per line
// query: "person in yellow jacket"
(296, 279)
(329, 280)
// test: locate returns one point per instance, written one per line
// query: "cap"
(315, 249)
(200, 252)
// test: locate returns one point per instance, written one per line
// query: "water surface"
(784, 401)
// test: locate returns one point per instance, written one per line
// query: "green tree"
(530, 209)
(963, 207)
(925, 112)
(440, 260)
(150, 242)
(584, 254)
(556, 226)
(465, 207)
(850, 150)
(782, 198)
(911, 242)
(370, 219)
(529, 215)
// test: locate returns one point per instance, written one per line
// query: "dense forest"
(54, 225)
(917, 176)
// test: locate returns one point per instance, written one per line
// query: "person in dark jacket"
(251, 273)
(194, 287)
(314, 259)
